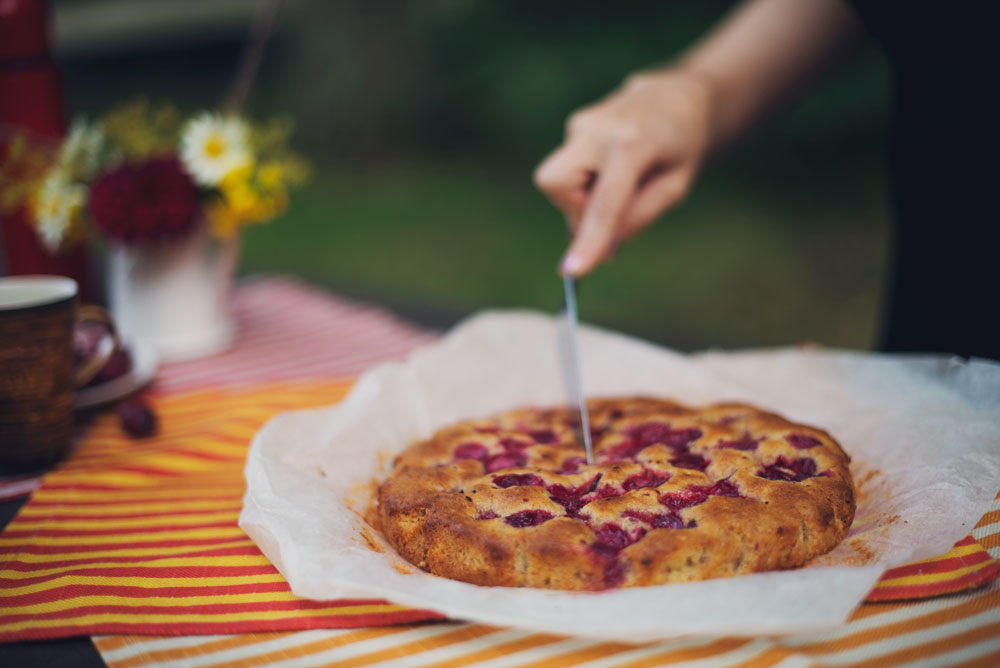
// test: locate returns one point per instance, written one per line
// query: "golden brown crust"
(676, 494)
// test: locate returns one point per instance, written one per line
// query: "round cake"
(675, 494)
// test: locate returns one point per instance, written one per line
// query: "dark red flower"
(145, 202)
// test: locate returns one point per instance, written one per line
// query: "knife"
(572, 324)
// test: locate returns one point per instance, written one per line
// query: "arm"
(633, 155)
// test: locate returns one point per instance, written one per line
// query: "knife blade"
(572, 324)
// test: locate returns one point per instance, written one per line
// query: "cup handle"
(93, 366)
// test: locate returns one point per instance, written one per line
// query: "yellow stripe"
(169, 562)
(931, 577)
(962, 551)
(28, 558)
(227, 503)
(148, 603)
(228, 488)
(86, 621)
(172, 580)
(126, 538)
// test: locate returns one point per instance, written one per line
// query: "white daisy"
(213, 145)
(79, 154)
(57, 203)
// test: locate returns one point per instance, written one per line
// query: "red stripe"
(57, 533)
(211, 456)
(154, 572)
(972, 579)
(83, 590)
(938, 566)
(29, 566)
(198, 608)
(968, 540)
(303, 623)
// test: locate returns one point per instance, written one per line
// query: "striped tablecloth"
(287, 331)
(141, 537)
(960, 631)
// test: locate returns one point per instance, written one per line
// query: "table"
(291, 332)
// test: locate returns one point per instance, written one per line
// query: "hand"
(626, 160)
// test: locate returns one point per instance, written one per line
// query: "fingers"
(566, 175)
(665, 190)
(598, 231)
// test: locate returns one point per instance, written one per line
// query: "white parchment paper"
(924, 433)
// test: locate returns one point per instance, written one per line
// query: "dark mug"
(39, 370)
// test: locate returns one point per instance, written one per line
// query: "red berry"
(137, 418)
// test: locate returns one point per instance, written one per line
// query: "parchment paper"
(924, 433)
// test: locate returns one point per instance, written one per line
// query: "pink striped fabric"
(288, 331)
(291, 331)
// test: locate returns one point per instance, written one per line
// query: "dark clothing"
(944, 291)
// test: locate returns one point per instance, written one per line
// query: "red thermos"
(30, 99)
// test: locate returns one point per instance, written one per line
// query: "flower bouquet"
(170, 196)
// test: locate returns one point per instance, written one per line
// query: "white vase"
(175, 295)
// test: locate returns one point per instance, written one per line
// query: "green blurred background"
(424, 120)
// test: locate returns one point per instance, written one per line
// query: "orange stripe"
(458, 635)
(875, 608)
(768, 657)
(991, 660)
(461, 634)
(574, 657)
(234, 642)
(924, 650)
(969, 608)
(714, 648)
(989, 518)
(109, 643)
(990, 541)
(502, 649)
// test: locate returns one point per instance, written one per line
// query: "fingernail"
(571, 264)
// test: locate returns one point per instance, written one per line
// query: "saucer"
(144, 362)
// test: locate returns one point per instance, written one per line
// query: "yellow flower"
(271, 175)
(213, 146)
(248, 196)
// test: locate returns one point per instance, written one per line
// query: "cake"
(675, 494)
